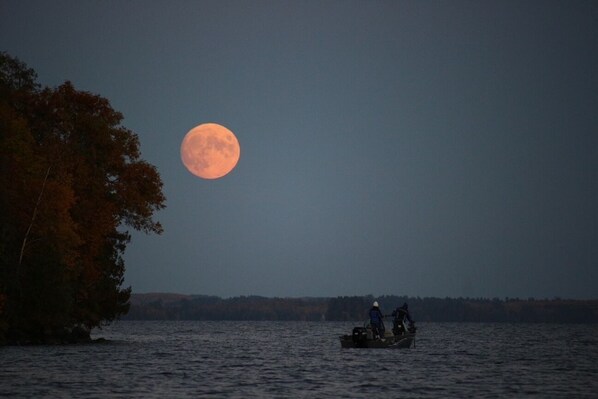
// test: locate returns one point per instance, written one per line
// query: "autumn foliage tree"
(71, 183)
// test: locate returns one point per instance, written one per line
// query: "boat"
(401, 336)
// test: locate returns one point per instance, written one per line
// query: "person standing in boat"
(399, 316)
(376, 321)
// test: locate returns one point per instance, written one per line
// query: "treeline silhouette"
(202, 307)
(354, 308)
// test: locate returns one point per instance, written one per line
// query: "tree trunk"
(39, 200)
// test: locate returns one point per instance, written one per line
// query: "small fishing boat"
(363, 337)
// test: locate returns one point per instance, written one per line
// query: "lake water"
(179, 359)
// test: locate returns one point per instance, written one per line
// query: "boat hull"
(393, 341)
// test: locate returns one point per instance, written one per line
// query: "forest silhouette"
(157, 306)
(72, 183)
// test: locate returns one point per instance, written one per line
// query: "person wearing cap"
(376, 321)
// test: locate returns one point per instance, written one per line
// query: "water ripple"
(300, 359)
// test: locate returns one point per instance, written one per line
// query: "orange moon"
(210, 151)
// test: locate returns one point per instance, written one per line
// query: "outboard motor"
(360, 336)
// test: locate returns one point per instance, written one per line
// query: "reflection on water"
(297, 359)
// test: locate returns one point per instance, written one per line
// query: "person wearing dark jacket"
(376, 321)
(399, 316)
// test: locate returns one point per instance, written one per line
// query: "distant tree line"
(471, 309)
(71, 183)
(200, 307)
(354, 308)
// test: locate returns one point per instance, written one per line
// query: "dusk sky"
(421, 148)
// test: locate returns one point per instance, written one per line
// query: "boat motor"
(360, 335)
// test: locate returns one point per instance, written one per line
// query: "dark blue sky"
(431, 148)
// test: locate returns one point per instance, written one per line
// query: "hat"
(375, 303)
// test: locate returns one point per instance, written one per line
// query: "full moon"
(210, 151)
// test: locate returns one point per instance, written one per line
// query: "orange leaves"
(71, 177)
(139, 191)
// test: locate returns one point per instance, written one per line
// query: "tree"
(72, 181)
